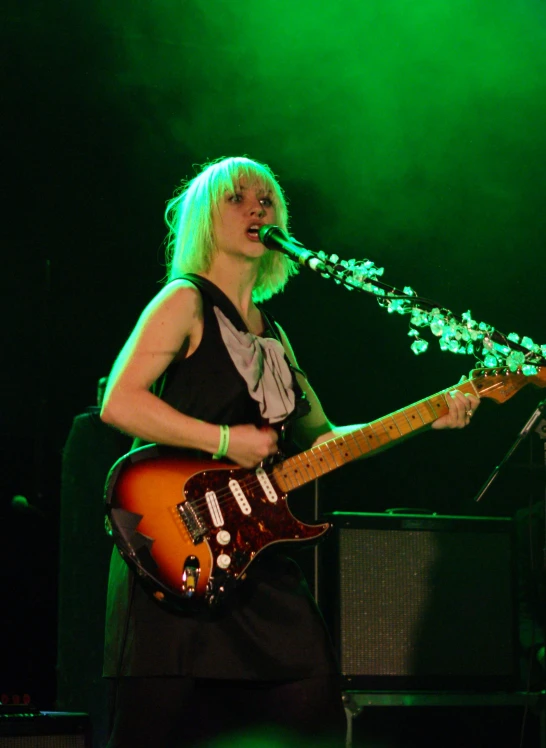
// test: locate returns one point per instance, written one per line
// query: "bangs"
(228, 174)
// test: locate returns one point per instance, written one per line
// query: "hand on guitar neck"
(462, 407)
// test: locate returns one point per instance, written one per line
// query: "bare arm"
(171, 323)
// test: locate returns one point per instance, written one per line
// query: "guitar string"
(313, 462)
(226, 495)
(250, 481)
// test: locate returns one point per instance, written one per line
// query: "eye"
(236, 198)
(267, 202)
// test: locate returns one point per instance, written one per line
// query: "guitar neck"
(363, 442)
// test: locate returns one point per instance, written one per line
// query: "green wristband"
(224, 443)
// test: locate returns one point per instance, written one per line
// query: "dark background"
(413, 134)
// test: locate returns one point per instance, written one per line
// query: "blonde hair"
(190, 242)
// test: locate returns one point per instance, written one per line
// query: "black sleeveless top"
(270, 627)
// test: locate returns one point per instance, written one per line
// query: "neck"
(235, 279)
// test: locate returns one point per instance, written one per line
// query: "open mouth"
(253, 232)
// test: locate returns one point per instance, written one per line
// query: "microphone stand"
(519, 438)
(457, 334)
(404, 302)
(529, 613)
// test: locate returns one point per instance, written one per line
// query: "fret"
(319, 461)
(361, 440)
(306, 467)
(380, 433)
(438, 405)
(414, 418)
(285, 476)
(424, 412)
(421, 412)
(391, 427)
(390, 436)
(339, 451)
(371, 439)
(402, 423)
(410, 422)
(357, 446)
(327, 457)
(365, 441)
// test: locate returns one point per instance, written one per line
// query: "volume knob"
(223, 537)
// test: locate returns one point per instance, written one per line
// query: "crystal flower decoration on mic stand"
(461, 335)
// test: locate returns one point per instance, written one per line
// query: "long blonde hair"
(190, 242)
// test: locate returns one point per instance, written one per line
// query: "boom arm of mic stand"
(346, 277)
(520, 437)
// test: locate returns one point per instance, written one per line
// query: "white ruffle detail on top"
(262, 364)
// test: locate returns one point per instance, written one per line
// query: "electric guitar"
(191, 528)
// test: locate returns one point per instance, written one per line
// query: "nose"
(257, 209)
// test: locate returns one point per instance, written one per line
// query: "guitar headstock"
(501, 384)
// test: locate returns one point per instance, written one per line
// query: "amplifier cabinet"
(45, 730)
(421, 601)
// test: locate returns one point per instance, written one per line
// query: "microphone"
(273, 237)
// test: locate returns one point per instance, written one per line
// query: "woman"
(207, 369)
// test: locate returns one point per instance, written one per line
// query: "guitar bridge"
(192, 520)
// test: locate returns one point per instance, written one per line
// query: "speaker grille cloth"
(425, 603)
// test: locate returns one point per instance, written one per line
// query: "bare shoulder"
(179, 303)
(179, 295)
(171, 322)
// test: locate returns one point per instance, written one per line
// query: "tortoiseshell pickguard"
(267, 523)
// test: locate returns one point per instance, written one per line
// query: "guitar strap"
(226, 306)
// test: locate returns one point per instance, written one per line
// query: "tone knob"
(223, 561)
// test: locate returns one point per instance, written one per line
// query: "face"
(239, 217)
